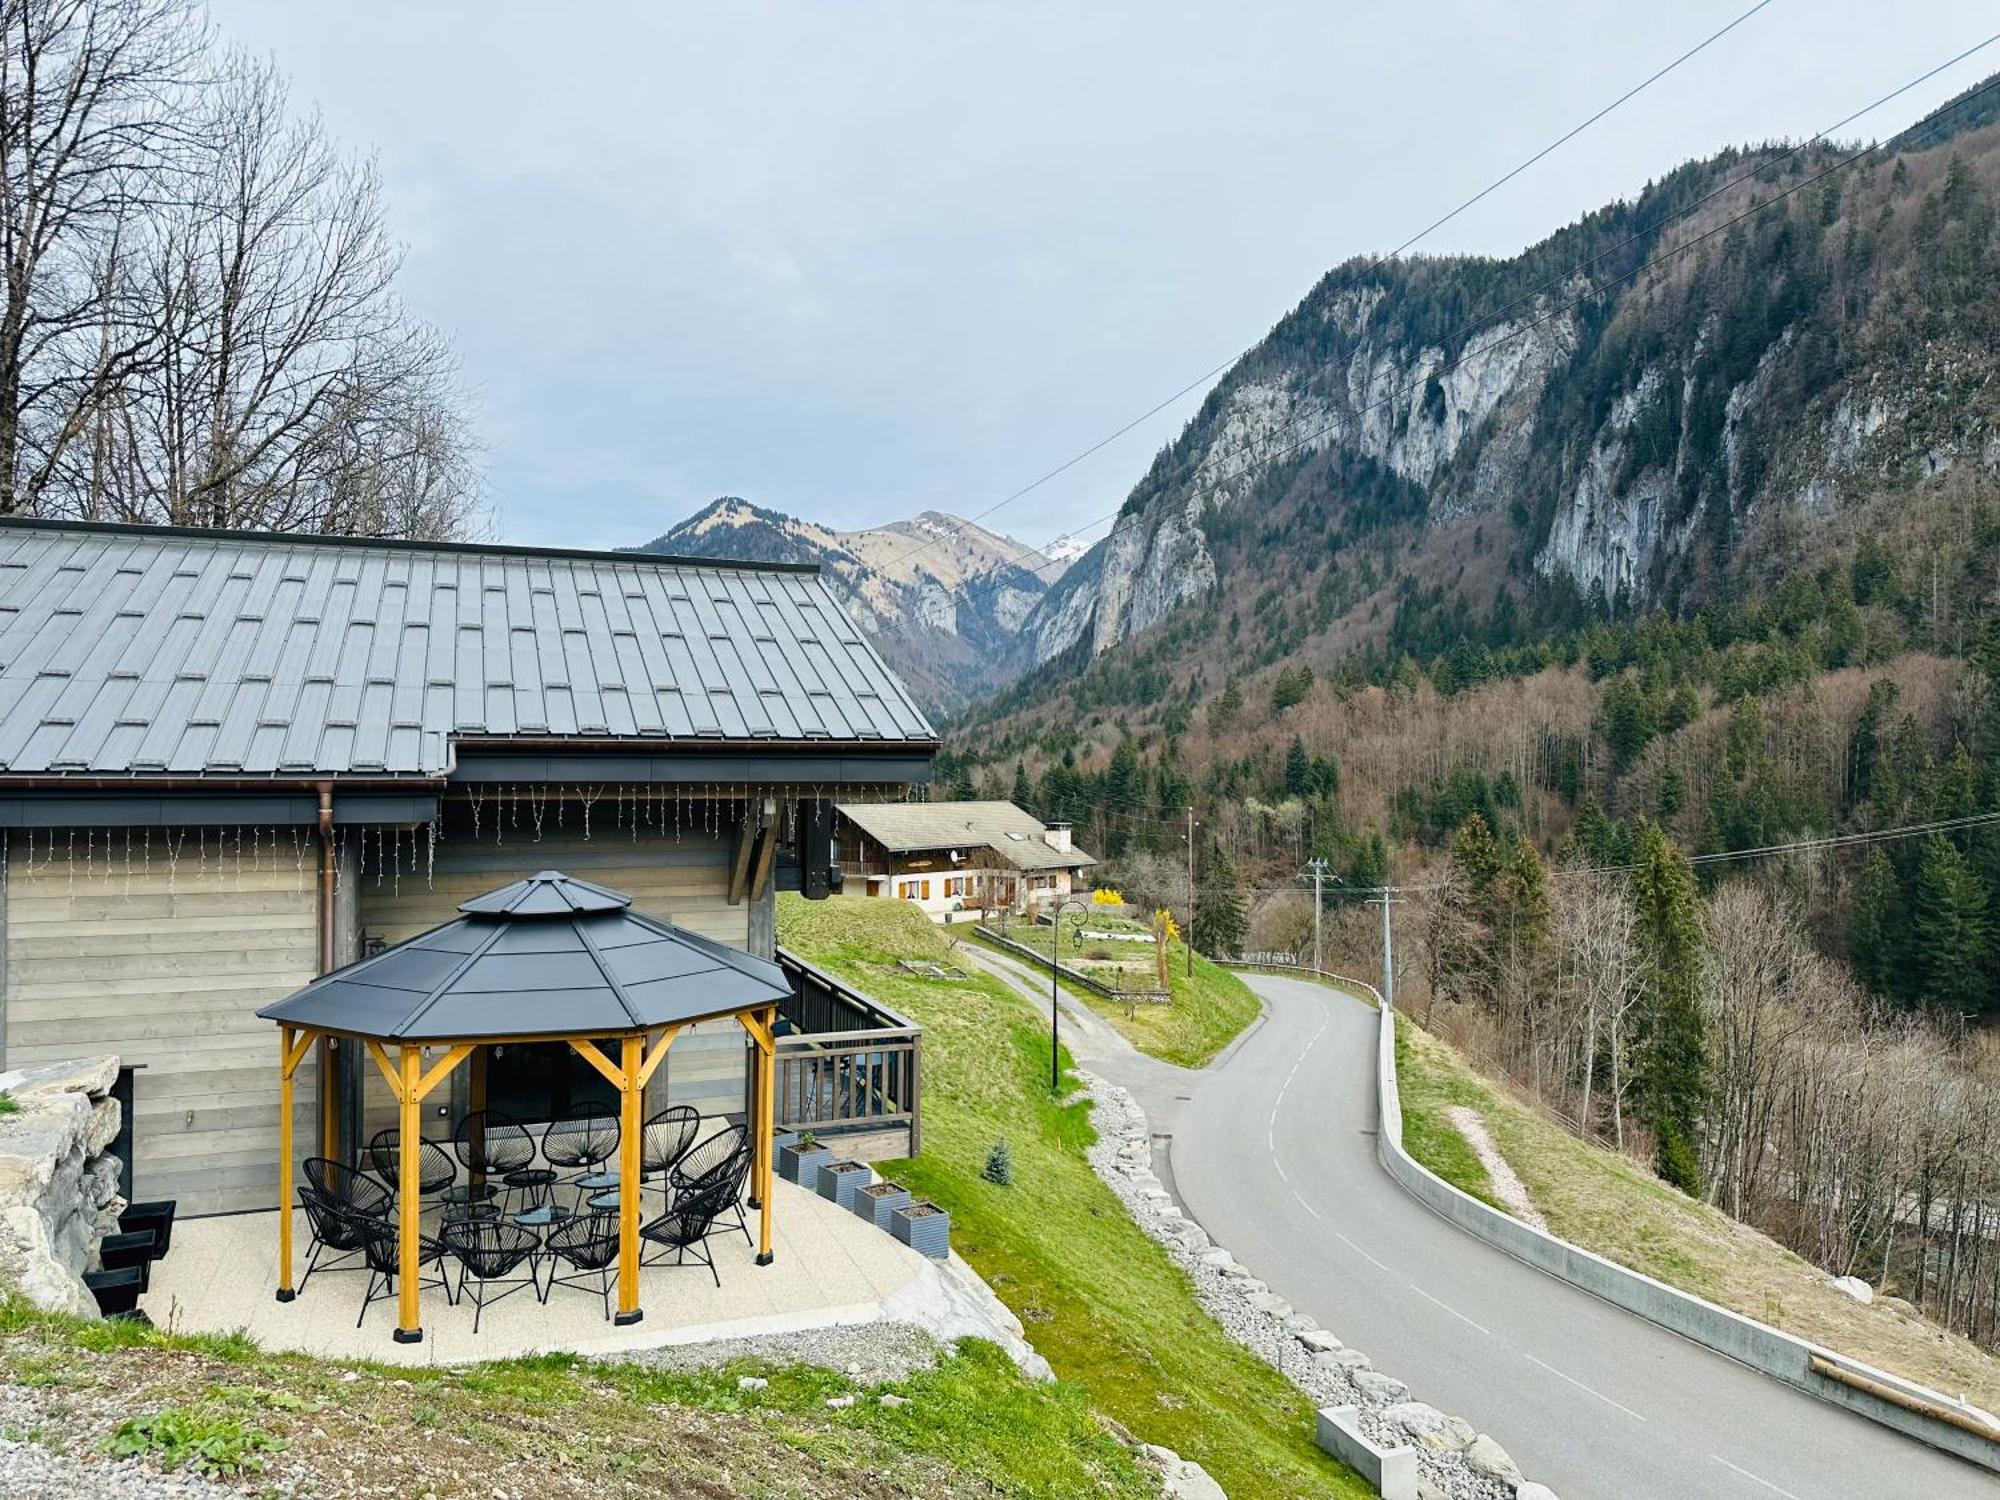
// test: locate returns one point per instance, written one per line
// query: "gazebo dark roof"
(545, 956)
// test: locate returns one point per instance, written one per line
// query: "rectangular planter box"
(803, 1167)
(928, 1233)
(875, 1206)
(843, 1180)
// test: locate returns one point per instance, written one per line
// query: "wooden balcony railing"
(846, 1064)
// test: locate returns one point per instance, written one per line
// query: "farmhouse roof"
(164, 651)
(1017, 836)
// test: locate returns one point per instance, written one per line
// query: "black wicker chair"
(687, 1226)
(581, 1141)
(491, 1145)
(436, 1171)
(589, 1247)
(382, 1248)
(332, 1190)
(723, 1157)
(666, 1138)
(489, 1252)
(701, 1160)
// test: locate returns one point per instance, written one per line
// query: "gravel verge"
(1454, 1461)
(1508, 1188)
(871, 1353)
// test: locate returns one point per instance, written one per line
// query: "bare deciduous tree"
(209, 329)
(92, 93)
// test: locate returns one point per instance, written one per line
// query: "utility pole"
(1316, 868)
(1388, 955)
(1388, 893)
(1187, 938)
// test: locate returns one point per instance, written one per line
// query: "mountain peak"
(942, 597)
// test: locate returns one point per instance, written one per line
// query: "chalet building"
(956, 859)
(231, 762)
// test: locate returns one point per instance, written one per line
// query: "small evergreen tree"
(1878, 931)
(1024, 792)
(1225, 710)
(1948, 918)
(1298, 769)
(1669, 1072)
(999, 1168)
(1220, 923)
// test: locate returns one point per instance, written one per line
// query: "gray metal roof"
(131, 650)
(1018, 837)
(545, 956)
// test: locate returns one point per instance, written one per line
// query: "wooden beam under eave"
(766, 853)
(739, 857)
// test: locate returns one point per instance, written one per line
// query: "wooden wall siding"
(684, 881)
(166, 968)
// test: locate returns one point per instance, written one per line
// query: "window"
(954, 885)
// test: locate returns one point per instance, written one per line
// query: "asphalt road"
(1272, 1150)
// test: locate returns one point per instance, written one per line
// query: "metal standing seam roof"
(546, 956)
(134, 650)
(904, 827)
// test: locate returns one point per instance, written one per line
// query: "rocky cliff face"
(1615, 404)
(944, 599)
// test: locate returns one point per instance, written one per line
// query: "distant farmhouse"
(230, 763)
(956, 858)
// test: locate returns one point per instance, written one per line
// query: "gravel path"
(871, 1353)
(1509, 1189)
(29, 1471)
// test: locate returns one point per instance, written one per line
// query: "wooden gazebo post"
(763, 1029)
(292, 1046)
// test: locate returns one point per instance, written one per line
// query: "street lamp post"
(1055, 973)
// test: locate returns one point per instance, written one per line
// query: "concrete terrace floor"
(831, 1269)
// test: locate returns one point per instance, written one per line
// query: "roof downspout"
(326, 963)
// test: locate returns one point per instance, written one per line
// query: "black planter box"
(117, 1292)
(158, 1217)
(134, 1248)
(875, 1207)
(926, 1233)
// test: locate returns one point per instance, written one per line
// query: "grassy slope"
(561, 1426)
(1102, 1301)
(1211, 1006)
(1608, 1203)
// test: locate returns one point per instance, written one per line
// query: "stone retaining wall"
(59, 1183)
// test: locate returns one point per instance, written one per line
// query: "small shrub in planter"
(924, 1227)
(801, 1160)
(875, 1201)
(840, 1180)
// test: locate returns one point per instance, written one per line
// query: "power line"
(1555, 313)
(1431, 228)
(1859, 839)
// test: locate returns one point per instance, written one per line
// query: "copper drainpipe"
(328, 1061)
(326, 964)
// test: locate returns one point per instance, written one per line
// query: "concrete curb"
(1780, 1355)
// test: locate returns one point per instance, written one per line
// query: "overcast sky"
(855, 260)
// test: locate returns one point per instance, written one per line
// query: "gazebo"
(546, 959)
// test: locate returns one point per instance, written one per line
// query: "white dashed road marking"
(1753, 1478)
(1587, 1390)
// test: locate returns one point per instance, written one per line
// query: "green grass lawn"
(552, 1425)
(1211, 1006)
(1101, 1301)
(1609, 1203)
